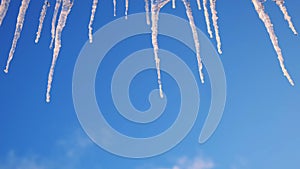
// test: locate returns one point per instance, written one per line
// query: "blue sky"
(259, 128)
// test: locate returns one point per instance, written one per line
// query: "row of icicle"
(57, 27)
(156, 5)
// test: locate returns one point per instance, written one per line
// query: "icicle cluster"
(66, 8)
(284, 11)
(259, 7)
(19, 27)
(215, 24)
(195, 36)
(214, 20)
(57, 26)
(155, 8)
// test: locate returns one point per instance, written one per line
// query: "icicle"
(147, 12)
(199, 4)
(207, 18)
(3, 9)
(94, 7)
(269, 26)
(215, 24)
(54, 18)
(115, 7)
(155, 8)
(66, 8)
(19, 26)
(173, 4)
(126, 9)
(42, 17)
(280, 4)
(195, 36)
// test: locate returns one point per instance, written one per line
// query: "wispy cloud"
(14, 161)
(239, 162)
(197, 162)
(68, 151)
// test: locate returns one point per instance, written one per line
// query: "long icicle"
(126, 8)
(94, 8)
(66, 8)
(269, 26)
(215, 24)
(207, 18)
(53, 23)
(195, 36)
(3, 9)
(147, 12)
(199, 4)
(155, 8)
(41, 20)
(173, 4)
(19, 26)
(280, 4)
(115, 7)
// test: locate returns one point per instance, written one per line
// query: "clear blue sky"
(260, 127)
